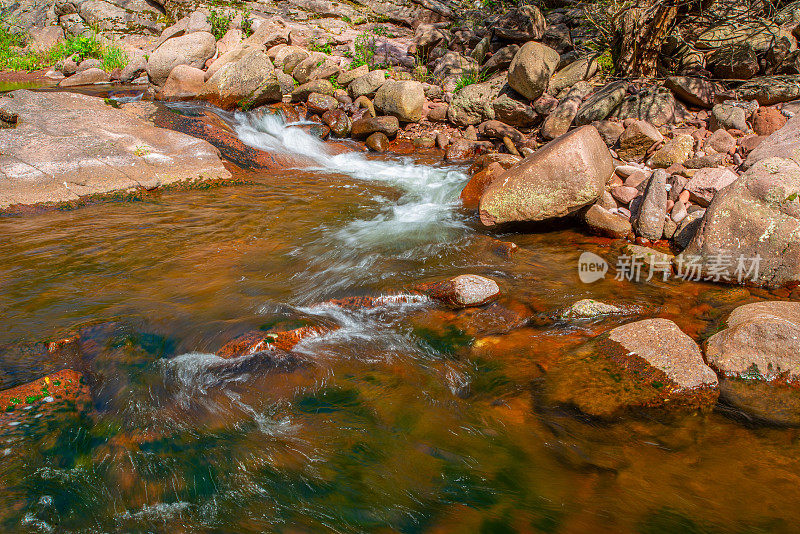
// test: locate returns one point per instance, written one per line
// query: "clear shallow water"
(406, 418)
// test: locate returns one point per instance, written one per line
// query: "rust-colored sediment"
(253, 342)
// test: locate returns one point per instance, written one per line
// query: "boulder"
(317, 66)
(721, 141)
(579, 70)
(193, 49)
(462, 291)
(231, 56)
(771, 90)
(67, 156)
(183, 82)
(500, 60)
(366, 85)
(247, 83)
(784, 143)
(736, 62)
(649, 364)
(363, 127)
(378, 142)
(531, 68)
(319, 103)
(43, 39)
(707, 182)
(754, 223)
(649, 220)
(402, 99)
(302, 92)
(473, 103)
(556, 180)
(86, 77)
(602, 103)
(674, 152)
(637, 139)
(338, 121)
(695, 91)
(522, 24)
(602, 222)
(758, 362)
(345, 78)
(514, 112)
(560, 119)
(767, 121)
(656, 106)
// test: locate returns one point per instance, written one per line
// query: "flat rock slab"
(64, 146)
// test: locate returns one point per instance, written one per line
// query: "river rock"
(728, 116)
(345, 78)
(784, 143)
(365, 126)
(687, 229)
(366, 85)
(579, 70)
(531, 68)
(183, 82)
(54, 154)
(674, 152)
(462, 291)
(602, 222)
(317, 66)
(247, 83)
(649, 364)
(655, 105)
(722, 142)
(757, 216)
(514, 112)
(378, 142)
(87, 77)
(193, 49)
(473, 104)
(303, 91)
(767, 121)
(695, 91)
(706, 183)
(649, 221)
(500, 60)
(736, 62)
(556, 180)
(560, 119)
(771, 90)
(403, 99)
(758, 362)
(338, 121)
(589, 309)
(602, 103)
(637, 139)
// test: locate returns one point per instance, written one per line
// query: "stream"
(405, 417)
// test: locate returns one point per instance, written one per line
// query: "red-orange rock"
(253, 342)
(473, 191)
(65, 386)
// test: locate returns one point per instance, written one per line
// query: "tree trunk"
(640, 32)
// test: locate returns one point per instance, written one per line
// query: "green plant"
(605, 62)
(220, 23)
(247, 23)
(364, 46)
(469, 78)
(325, 48)
(334, 81)
(12, 57)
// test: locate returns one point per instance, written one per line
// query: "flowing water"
(405, 418)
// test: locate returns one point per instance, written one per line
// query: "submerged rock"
(462, 291)
(63, 388)
(758, 361)
(254, 342)
(588, 309)
(648, 364)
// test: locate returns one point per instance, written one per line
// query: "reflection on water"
(405, 418)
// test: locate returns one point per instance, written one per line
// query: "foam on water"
(424, 212)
